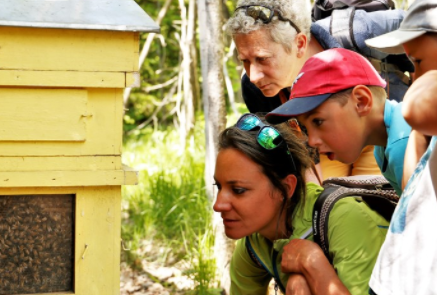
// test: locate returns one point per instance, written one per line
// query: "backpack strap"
(375, 191)
(341, 27)
(252, 253)
(321, 212)
(275, 276)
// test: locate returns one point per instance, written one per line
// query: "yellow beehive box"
(63, 67)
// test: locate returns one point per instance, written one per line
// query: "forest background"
(190, 89)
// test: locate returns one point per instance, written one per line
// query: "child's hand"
(420, 104)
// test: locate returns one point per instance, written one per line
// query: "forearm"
(416, 147)
(307, 258)
(297, 285)
(322, 278)
(420, 103)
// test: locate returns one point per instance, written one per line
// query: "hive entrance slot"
(36, 244)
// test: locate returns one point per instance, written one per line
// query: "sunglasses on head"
(265, 14)
(268, 137)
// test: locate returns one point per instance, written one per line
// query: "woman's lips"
(264, 86)
(229, 222)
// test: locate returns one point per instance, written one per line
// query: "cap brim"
(392, 42)
(295, 107)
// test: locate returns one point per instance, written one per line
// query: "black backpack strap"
(341, 27)
(377, 193)
(321, 210)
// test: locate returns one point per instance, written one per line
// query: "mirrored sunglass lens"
(248, 123)
(269, 138)
(259, 12)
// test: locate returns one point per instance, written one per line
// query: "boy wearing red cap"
(340, 99)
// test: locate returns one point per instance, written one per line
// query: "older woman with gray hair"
(274, 38)
(271, 37)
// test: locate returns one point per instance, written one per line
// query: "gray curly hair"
(298, 11)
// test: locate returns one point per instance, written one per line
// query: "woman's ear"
(290, 182)
(363, 100)
(301, 44)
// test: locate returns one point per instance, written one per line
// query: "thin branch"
(160, 86)
(164, 102)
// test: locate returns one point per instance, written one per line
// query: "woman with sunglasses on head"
(274, 38)
(265, 201)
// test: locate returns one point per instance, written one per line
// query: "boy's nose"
(314, 141)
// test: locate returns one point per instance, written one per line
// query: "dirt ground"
(153, 280)
(157, 280)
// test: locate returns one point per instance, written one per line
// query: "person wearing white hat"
(407, 262)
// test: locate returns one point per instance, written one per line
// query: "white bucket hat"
(420, 18)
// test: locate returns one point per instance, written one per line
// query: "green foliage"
(169, 208)
(205, 269)
(163, 64)
(160, 67)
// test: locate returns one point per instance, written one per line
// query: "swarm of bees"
(36, 244)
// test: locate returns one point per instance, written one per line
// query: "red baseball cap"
(323, 75)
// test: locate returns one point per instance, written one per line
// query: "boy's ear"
(301, 43)
(290, 182)
(363, 99)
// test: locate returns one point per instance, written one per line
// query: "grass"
(168, 210)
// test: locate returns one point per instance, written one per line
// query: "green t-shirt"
(355, 235)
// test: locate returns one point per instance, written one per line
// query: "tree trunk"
(211, 52)
(228, 81)
(187, 94)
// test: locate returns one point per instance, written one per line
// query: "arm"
(355, 234)
(416, 147)
(306, 258)
(297, 285)
(420, 104)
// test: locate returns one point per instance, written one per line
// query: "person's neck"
(377, 129)
(314, 47)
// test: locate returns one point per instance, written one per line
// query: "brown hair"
(378, 93)
(275, 164)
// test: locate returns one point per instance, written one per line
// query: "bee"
(14, 276)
